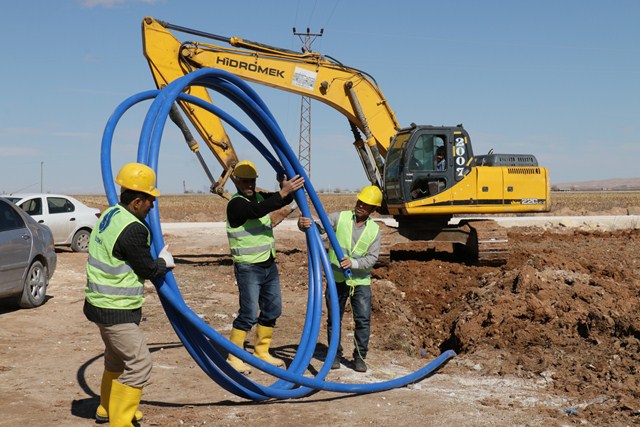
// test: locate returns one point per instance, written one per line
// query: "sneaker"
(359, 365)
(336, 363)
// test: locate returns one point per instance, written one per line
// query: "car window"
(9, 218)
(32, 206)
(59, 205)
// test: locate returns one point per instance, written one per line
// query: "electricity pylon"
(304, 145)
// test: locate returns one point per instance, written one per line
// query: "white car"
(70, 220)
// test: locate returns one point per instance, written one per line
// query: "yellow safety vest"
(344, 234)
(253, 241)
(111, 282)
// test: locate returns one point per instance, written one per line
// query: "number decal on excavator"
(532, 202)
(461, 156)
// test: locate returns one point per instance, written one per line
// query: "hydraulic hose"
(199, 338)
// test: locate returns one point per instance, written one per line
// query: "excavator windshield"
(424, 161)
(426, 151)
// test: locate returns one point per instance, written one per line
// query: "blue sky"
(555, 78)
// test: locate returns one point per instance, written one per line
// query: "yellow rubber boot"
(123, 404)
(238, 337)
(261, 346)
(102, 413)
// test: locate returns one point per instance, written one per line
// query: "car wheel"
(80, 242)
(34, 291)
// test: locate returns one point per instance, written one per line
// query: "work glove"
(167, 257)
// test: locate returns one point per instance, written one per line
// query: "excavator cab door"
(425, 162)
(426, 171)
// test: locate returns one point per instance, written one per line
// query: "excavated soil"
(551, 338)
(564, 308)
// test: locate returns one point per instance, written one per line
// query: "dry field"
(208, 207)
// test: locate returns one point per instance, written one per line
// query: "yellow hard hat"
(138, 177)
(245, 169)
(371, 195)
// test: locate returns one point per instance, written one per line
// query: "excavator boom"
(352, 93)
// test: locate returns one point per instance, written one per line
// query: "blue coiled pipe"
(199, 338)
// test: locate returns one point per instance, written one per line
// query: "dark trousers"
(259, 288)
(361, 309)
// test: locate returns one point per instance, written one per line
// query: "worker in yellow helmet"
(253, 251)
(118, 264)
(359, 239)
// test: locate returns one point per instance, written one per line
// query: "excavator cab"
(424, 161)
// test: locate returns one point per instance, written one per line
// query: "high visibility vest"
(344, 233)
(111, 282)
(253, 241)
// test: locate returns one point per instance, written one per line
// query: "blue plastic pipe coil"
(199, 338)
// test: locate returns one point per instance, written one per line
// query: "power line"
(335, 6)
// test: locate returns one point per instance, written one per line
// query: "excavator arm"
(162, 52)
(349, 91)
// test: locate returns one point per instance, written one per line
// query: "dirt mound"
(565, 309)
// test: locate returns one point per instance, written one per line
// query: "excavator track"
(480, 242)
(488, 243)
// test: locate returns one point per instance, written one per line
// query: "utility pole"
(304, 145)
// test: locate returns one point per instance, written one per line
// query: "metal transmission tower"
(304, 145)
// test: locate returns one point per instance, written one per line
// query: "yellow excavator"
(428, 174)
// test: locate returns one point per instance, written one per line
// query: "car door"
(15, 249)
(61, 218)
(37, 208)
(55, 212)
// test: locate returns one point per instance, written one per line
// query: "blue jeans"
(259, 287)
(361, 309)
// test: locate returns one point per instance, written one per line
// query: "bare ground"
(549, 339)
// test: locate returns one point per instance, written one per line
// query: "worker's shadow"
(86, 408)
(288, 353)
(202, 260)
